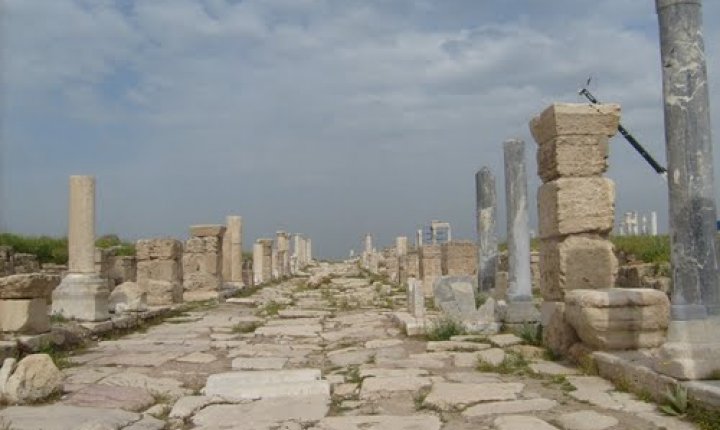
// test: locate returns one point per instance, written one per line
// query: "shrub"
(648, 249)
(444, 329)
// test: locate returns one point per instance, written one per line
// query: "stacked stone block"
(159, 270)
(7, 266)
(430, 267)
(232, 251)
(24, 302)
(282, 240)
(25, 263)
(202, 263)
(576, 205)
(459, 258)
(266, 254)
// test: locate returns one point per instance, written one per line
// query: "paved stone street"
(328, 358)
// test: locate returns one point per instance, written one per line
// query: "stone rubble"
(331, 358)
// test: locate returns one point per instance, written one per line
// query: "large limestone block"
(558, 335)
(207, 230)
(161, 248)
(561, 119)
(27, 316)
(576, 205)
(128, 297)
(572, 156)
(162, 292)
(159, 270)
(35, 378)
(618, 318)
(576, 262)
(28, 286)
(455, 295)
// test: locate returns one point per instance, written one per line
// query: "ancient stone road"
(293, 357)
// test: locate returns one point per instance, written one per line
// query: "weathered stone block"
(207, 230)
(161, 248)
(618, 318)
(430, 267)
(160, 270)
(572, 156)
(459, 258)
(575, 119)
(576, 262)
(558, 334)
(28, 285)
(27, 316)
(576, 205)
(162, 292)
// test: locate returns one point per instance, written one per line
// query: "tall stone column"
(401, 252)
(519, 293)
(309, 252)
(486, 205)
(576, 209)
(693, 342)
(267, 259)
(258, 263)
(283, 253)
(82, 294)
(232, 251)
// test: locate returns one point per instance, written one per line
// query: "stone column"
(308, 250)
(202, 263)
(486, 203)
(82, 294)
(519, 292)
(367, 255)
(283, 253)
(232, 251)
(415, 298)
(258, 263)
(576, 209)
(693, 342)
(418, 238)
(401, 251)
(653, 224)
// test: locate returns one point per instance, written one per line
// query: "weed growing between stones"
(444, 329)
(246, 326)
(480, 299)
(353, 375)
(419, 398)
(60, 357)
(531, 334)
(272, 308)
(706, 419)
(562, 382)
(513, 364)
(676, 401)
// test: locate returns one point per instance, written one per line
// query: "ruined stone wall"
(430, 267)
(202, 263)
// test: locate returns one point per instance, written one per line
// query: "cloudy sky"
(328, 117)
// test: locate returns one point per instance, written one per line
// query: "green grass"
(246, 327)
(648, 249)
(444, 329)
(55, 249)
(531, 334)
(513, 364)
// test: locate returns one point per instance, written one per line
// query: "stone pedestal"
(24, 302)
(202, 263)
(267, 259)
(159, 270)
(258, 263)
(576, 207)
(82, 294)
(430, 267)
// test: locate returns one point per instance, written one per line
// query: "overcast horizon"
(324, 117)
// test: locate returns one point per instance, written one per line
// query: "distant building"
(437, 232)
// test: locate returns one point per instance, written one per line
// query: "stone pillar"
(202, 263)
(232, 251)
(159, 270)
(275, 272)
(283, 253)
(267, 254)
(653, 224)
(576, 208)
(401, 252)
(308, 250)
(367, 256)
(82, 294)
(486, 204)
(519, 292)
(430, 267)
(693, 342)
(416, 299)
(258, 263)
(418, 238)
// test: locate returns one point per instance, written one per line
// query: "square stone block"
(561, 119)
(161, 248)
(618, 318)
(159, 270)
(576, 262)
(162, 292)
(205, 230)
(459, 258)
(572, 156)
(576, 205)
(27, 316)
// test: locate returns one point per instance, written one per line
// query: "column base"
(521, 312)
(82, 297)
(691, 351)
